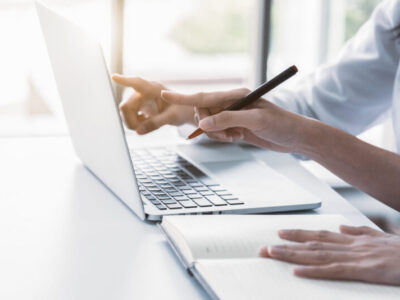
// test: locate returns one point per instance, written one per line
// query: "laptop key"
(163, 197)
(174, 206)
(161, 181)
(190, 191)
(206, 193)
(201, 188)
(188, 204)
(165, 185)
(224, 193)
(168, 201)
(185, 187)
(229, 197)
(161, 207)
(234, 202)
(160, 194)
(145, 181)
(195, 184)
(150, 185)
(192, 182)
(181, 198)
(195, 196)
(202, 202)
(216, 200)
(176, 194)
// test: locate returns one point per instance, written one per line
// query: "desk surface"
(63, 235)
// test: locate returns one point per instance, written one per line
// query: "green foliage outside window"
(213, 32)
(223, 26)
(357, 12)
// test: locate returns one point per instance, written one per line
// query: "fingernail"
(197, 118)
(166, 93)
(275, 250)
(264, 252)
(299, 270)
(207, 123)
(228, 138)
(140, 130)
(283, 232)
(237, 137)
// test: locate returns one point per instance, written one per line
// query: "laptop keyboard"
(169, 181)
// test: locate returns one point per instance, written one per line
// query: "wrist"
(312, 133)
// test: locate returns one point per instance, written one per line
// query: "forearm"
(369, 168)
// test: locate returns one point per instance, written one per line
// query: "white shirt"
(362, 86)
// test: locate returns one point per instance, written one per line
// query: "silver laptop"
(156, 181)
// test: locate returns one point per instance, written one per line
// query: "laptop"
(152, 182)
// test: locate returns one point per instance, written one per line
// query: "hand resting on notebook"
(357, 253)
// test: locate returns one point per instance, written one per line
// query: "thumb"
(155, 122)
(250, 119)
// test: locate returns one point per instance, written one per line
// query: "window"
(190, 45)
(311, 32)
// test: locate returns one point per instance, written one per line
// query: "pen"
(256, 94)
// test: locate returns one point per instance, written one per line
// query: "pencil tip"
(195, 133)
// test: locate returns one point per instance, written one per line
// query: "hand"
(357, 253)
(262, 123)
(145, 111)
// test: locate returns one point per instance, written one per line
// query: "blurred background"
(189, 45)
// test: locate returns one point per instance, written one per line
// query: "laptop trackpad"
(204, 153)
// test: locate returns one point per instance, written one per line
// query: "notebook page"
(236, 236)
(258, 278)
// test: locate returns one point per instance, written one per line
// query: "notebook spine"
(188, 266)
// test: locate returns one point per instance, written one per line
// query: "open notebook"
(221, 251)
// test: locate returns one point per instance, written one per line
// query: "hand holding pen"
(260, 123)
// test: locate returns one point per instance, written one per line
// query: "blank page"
(238, 236)
(260, 278)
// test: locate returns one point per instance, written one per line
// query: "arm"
(354, 91)
(369, 168)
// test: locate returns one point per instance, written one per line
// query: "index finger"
(204, 99)
(299, 235)
(139, 84)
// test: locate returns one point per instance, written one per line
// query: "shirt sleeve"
(354, 91)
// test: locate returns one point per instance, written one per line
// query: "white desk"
(63, 235)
